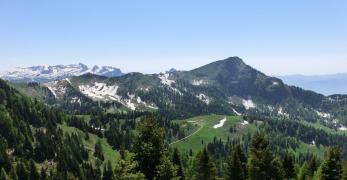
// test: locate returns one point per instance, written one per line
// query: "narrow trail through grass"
(201, 126)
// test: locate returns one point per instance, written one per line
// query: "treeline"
(119, 128)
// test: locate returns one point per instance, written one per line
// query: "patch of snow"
(275, 83)
(67, 80)
(103, 92)
(204, 98)
(98, 128)
(248, 104)
(139, 101)
(130, 105)
(52, 91)
(313, 142)
(244, 123)
(281, 112)
(237, 113)
(57, 89)
(100, 91)
(220, 124)
(198, 82)
(164, 79)
(343, 128)
(323, 114)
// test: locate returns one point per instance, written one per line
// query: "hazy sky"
(277, 37)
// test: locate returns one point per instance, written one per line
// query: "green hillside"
(200, 132)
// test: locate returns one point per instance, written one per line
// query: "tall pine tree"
(176, 160)
(149, 147)
(262, 165)
(204, 166)
(236, 165)
(331, 168)
(288, 166)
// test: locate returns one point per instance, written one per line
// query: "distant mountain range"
(324, 84)
(57, 72)
(223, 87)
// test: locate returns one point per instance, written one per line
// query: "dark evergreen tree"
(98, 151)
(176, 160)
(262, 165)
(34, 174)
(127, 168)
(304, 172)
(108, 172)
(43, 174)
(3, 175)
(344, 168)
(166, 170)
(149, 147)
(312, 166)
(331, 168)
(288, 166)
(204, 166)
(22, 172)
(236, 165)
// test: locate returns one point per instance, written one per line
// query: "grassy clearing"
(200, 131)
(202, 127)
(324, 128)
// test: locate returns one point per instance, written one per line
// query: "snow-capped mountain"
(57, 72)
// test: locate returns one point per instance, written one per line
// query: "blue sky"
(277, 37)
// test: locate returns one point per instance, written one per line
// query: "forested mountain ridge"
(224, 87)
(36, 143)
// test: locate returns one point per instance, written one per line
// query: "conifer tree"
(261, 163)
(98, 151)
(176, 160)
(204, 166)
(288, 166)
(34, 175)
(166, 170)
(108, 172)
(312, 166)
(304, 172)
(127, 168)
(331, 168)
(344, 168)
(3, 175)
(236, 165)
(43, 174)
(149, 147)
(22, 173)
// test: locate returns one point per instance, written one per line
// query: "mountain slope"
(224, 87)
(48, 73)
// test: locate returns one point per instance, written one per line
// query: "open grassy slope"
(200, 131)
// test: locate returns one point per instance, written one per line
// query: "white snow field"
(220, 124)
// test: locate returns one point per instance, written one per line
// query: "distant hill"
(324, 84)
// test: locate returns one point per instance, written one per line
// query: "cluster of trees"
(259, 162)
(305, 133)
